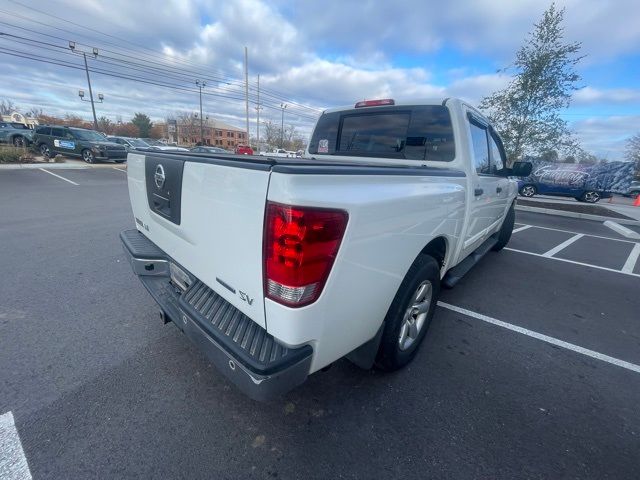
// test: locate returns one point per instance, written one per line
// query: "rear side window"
(57, 132)
(480, 148)
(43, 130)
(414, 133)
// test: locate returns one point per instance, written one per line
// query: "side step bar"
(454, 275)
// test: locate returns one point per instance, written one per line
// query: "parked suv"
(130, 143)
(77, 142)
(15, 134)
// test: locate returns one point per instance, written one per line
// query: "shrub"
(10, 154)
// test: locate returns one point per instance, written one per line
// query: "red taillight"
(375, 103)
(300, 245)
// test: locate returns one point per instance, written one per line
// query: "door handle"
(478, 192)
(498, 189)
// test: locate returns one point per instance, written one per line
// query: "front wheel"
(87, 156)
(591, 197)
(528, 191)
(410, 314)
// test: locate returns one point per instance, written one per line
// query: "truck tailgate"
(208, 215)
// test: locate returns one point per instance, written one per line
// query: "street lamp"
(200, 84)
(72, 47)
(283, 106)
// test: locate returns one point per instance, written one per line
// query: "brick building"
(215, 133)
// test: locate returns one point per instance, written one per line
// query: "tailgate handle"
(478, 192)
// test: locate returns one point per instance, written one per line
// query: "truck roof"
(412, 102)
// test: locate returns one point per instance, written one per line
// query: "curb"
(26, 166)
(49, 166)
(584, 216)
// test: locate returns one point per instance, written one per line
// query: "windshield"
(414, 133)
(89, 135)
(136, 142)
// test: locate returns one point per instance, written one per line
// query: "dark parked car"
(634, 189)
(15, 134)
(77, 142)
(205, 149)
(130, 143)
(579, 191)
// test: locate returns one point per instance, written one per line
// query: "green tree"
(527, 111)
(143, 122)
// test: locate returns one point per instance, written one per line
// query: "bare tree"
(7, 106)
(188, 127)
(633, 151)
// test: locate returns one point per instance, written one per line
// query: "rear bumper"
(242, 350)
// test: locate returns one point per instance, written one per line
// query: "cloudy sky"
(309, 54)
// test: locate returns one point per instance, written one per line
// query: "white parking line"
(545, 338)
(519, 229)
(60, 177)
(630, 264)
(572, 261)
(576, 233)
(13, 463)
(120, 169)
(563, 245)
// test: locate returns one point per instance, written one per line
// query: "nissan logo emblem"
(159, 176)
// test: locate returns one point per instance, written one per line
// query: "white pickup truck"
(278, 267)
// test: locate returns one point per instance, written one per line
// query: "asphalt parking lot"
(531, 368)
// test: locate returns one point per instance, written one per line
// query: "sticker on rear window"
(323, 146)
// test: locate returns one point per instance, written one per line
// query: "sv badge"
(245, 297)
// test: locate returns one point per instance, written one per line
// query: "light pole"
(283, 106)
(200, 84)
(72, 47)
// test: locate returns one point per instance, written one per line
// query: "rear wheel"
(410, 314)
(87, 156)
(45, 151)
(19, 142)
(528, 191)
(591, 197)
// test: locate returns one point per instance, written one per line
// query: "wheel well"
(437, 248)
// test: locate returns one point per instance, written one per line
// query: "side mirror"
(521, 169)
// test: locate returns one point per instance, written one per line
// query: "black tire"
(88, 156)
(390, 354)
(528, 191)
(19, 142)
(590, 196)
(504, 235)
(120, 161)
(45, 150)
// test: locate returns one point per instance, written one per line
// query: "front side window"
(411, 132)
(88, 135)
(480, 148)
(58, 132)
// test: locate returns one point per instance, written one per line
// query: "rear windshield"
(414, 133)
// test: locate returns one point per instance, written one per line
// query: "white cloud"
(591, 95)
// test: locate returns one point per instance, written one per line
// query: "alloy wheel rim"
(415, 317)
(591, 197)
(527, 191)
